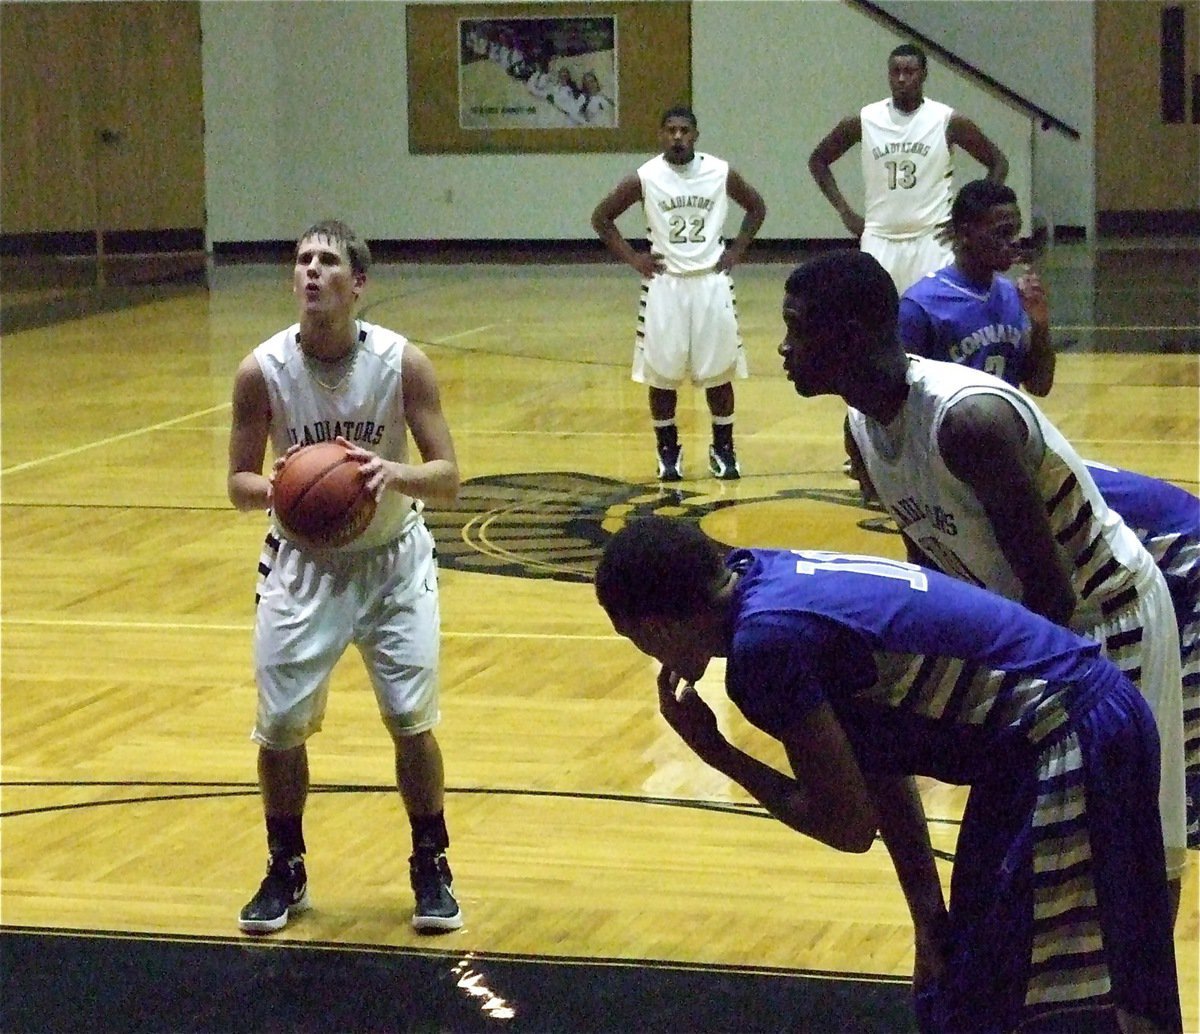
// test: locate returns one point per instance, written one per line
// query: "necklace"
(339, 368)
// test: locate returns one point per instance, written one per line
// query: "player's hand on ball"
(687, 713)
(276, 467)
(379, 474)
(375, 469)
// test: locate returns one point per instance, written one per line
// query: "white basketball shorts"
(312, 606)
(1142, 639)
(910, 259)
(688, 330)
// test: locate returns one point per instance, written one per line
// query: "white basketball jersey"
(943, 516)
(366, 407)
(685, 208)
(906, 168)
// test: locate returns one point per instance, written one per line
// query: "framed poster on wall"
(538, 73)
(544, 78)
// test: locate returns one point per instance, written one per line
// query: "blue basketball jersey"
(946, 317)
(1152, 507)
(927, 674)
(1059, 873)
(1166, 520)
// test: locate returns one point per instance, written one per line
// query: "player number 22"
(814, 560)
(687, 231)
(901, 174)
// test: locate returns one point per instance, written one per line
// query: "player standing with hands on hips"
(907, 161)
(334, 376)
(687, 316)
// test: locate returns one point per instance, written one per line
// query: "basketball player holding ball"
(332, 377)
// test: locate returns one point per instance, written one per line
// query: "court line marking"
(185, 626)
(463, 333)
(1111, 328)
(124, 436)
(219, 791)
(173, 422)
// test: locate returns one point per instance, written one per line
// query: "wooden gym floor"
(609, 881)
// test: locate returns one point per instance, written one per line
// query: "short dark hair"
(679, 111)
(910, 50)
(846, 283)
(976, 198)
(338, 232)
(658, 567)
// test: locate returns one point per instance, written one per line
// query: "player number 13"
(901, 174)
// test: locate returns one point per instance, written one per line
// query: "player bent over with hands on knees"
(331, 375)
(983, 487)
(870, 671)
(972, 314)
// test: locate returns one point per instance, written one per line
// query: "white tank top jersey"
(907, 173)
(685, 208)
(945, 518)
(366, 408)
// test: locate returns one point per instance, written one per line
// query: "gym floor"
(609, 882)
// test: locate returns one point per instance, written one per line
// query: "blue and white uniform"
(1121, 599)
(1167, 521)
(380, 591)
(945, 316)
(1057, 901)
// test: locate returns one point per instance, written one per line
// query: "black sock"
(667, 436)
(723, 436)
(429, 833)
(285, 835)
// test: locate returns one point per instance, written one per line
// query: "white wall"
(1043, 50)
(305, 111)
(770, 79)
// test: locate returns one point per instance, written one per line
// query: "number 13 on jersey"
(901, 174)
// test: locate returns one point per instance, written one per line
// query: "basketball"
(320, 496)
